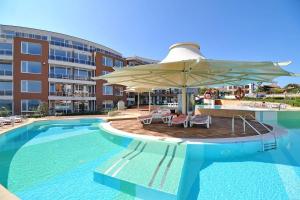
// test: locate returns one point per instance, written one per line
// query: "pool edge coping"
(278, 131)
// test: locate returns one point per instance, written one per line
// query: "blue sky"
(255, 30)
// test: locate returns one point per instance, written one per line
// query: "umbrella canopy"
(185, 66)
(139, 90)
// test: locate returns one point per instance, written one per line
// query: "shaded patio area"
(220, 128)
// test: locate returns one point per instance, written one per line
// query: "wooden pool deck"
(220, 128)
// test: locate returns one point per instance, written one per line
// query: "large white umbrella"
(185, 66)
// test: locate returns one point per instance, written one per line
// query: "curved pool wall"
(218, 148)
(196, 152)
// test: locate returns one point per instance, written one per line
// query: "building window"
(5, 88)
(107, 90)
(5, 69)
(119, 91)
(30, 105)
(58, 40)
(60, 72)
(5, 48)
(52, 88)
(82, 74)
(8, 34)
(118, 63)
(59, 53)
(31, 86)
(77, 45)
(6, 104)
(31, 48)
(108, 104)
(31, 67)
(107, 61)
(105, 72)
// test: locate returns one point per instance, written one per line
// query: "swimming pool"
(63, 160)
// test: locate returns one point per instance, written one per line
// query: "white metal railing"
(262, 124)
(173, 105)
(244, 128)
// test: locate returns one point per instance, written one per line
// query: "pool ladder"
(266, 146)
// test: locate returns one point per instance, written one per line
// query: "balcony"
(5, 52)
(91, 49)
(5, 73)
(61, 76)
(63, 44)
(72, 94)
(70, 77)
(72, 60)
(5, 92)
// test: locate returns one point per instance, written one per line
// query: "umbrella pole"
(183, 100)
(149, 101)
(138, 101)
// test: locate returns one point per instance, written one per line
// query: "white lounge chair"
(181, 119)
(146, 119)
(166, 118)
(200, 119)
(6, 120)
(1, 123)
(17, 119)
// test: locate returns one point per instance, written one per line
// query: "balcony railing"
(82, 48)
(70, 77)
(5, 92)
(5, 73)
(73, 94)
(63, 44)
(82, 78)
(61, 76)
(5, 52)
(73, 60)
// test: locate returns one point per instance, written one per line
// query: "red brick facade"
(99, 83)
(18, 75)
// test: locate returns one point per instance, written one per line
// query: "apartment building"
(42, 66)
(158, 97)
(249, 88)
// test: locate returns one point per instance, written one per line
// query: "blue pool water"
(57, 159)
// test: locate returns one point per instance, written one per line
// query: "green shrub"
(36, 115)
(43, 109)
(4, 112)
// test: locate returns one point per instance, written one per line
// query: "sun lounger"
(6, 120)
(1, 123)
(282, 106)
(166, 118)
(17, 119)
(181, 119)
(146, 119)
(200, 119)
(159, 114)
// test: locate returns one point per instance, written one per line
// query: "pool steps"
(145, 169)
(270, 146)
